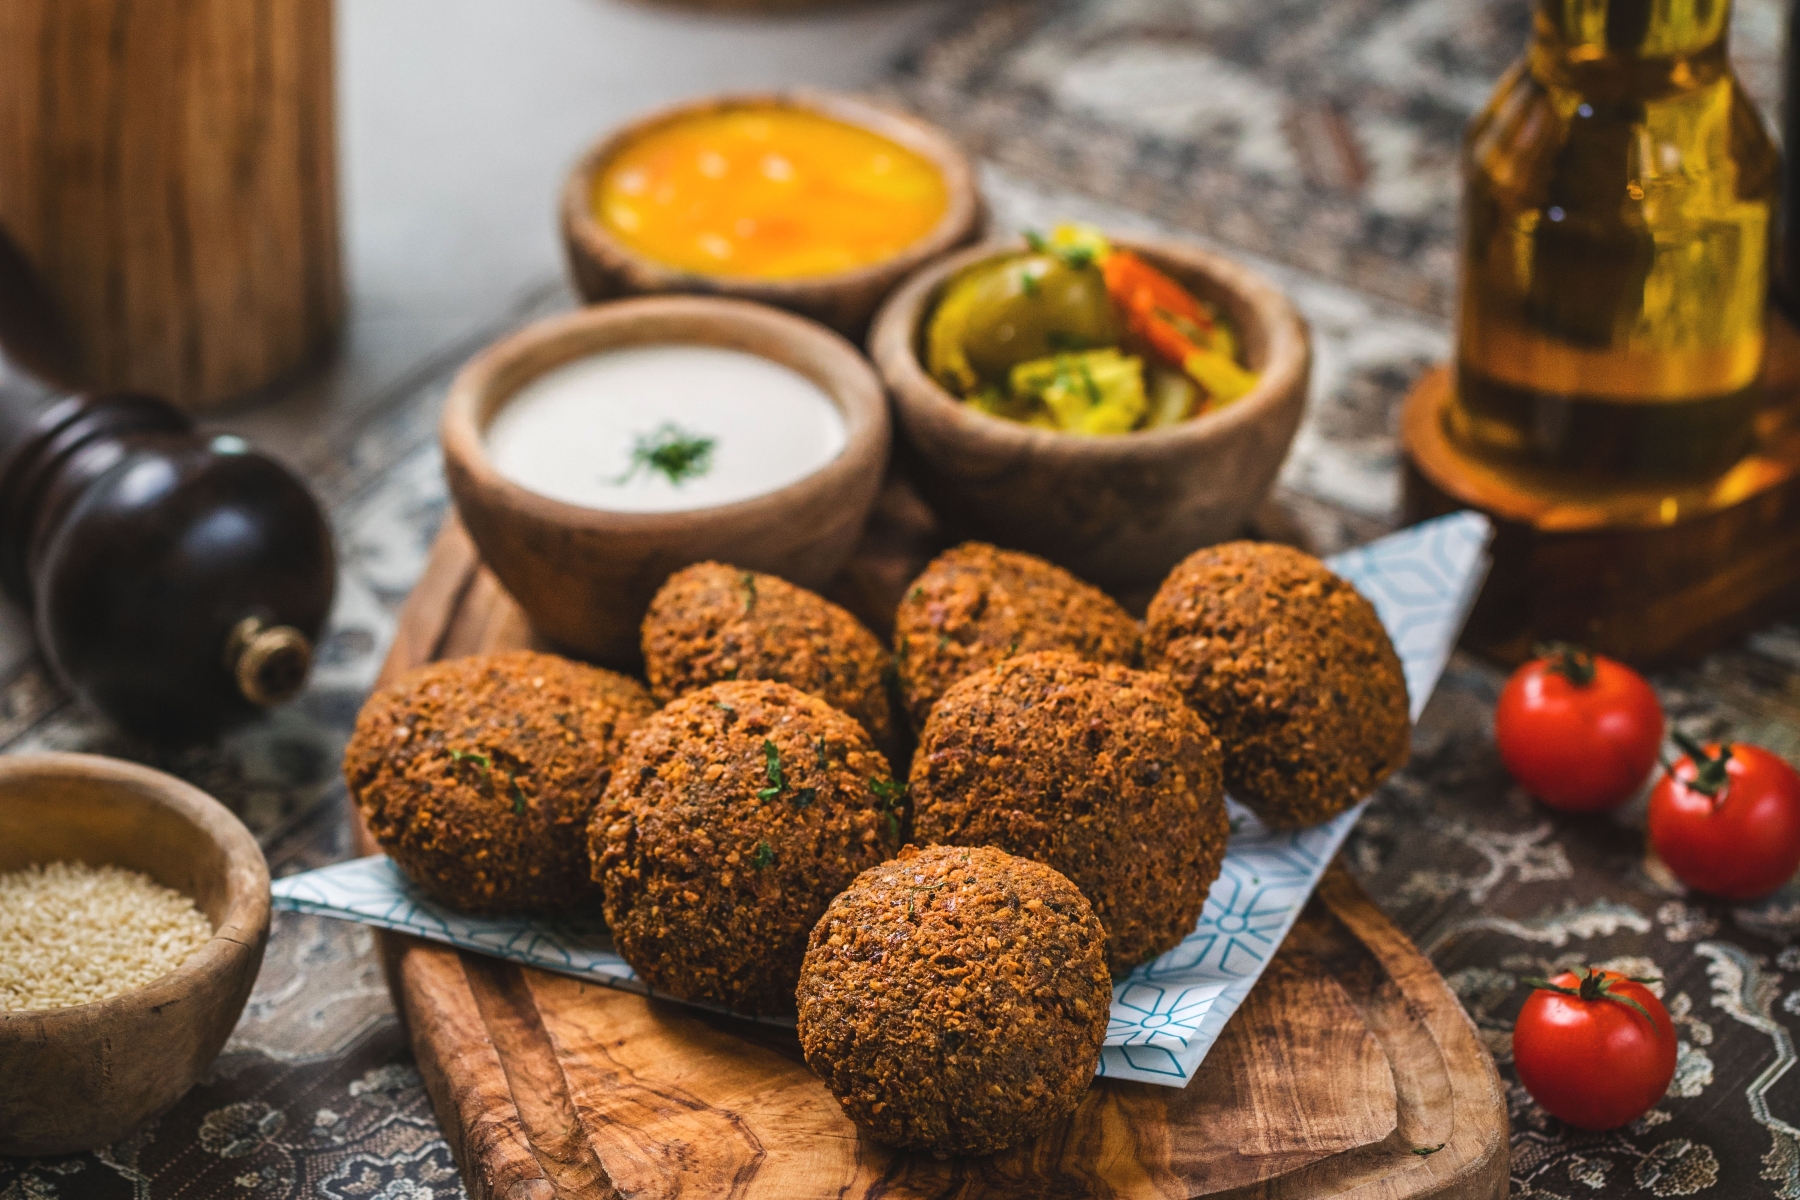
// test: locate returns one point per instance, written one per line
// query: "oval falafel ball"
(478, 775)
(955, 1000)
(976, 605)
(1097, 770)
(711, 623)
(1291, 667)
(734, 816)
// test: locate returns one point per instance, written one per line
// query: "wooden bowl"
(585, 576)
(603, 267)
(1118, 510)
(81, 1077)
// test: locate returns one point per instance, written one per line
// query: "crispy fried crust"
(1097, 770)
(714, 874)
(711, 623)
(975, 605)
(478, 775)
(1292, 669)
(955, 1000)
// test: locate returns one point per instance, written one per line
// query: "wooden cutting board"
(1351, 1070)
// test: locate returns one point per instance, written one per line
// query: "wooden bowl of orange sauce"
(816, 202)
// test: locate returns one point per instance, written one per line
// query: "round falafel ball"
(734, 816)
(711, 623)
(955, 1000)
(1291, 667)
(976, 605)
(1097, 770)
(478, 775)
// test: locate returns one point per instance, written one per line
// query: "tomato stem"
(1597, 985)
(1571, 662)
(1710, 776)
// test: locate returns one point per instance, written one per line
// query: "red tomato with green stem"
(1596, 1049)
(1726, 819)
(1578, 731)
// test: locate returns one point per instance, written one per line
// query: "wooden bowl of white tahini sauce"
(592, 455)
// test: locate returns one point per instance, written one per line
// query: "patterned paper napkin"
(1166, 1014)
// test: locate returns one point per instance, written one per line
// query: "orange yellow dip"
(773, 193)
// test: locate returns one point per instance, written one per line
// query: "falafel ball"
(734, 816)
(711, 623)
(1291, 667)
(955, 999)
(975, 605)
(478, 775)
(1097, 770)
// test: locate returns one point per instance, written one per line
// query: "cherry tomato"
(1578, 731)
(1726, 819)
(1596, 1049)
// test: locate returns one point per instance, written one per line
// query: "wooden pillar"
(170, 168)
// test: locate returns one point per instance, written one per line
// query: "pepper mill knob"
(270, 663)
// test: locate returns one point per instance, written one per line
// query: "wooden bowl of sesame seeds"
(80, 834)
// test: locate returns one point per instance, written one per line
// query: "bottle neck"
(1630, 46)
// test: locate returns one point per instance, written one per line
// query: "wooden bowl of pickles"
(813, 201)
(1110, 403)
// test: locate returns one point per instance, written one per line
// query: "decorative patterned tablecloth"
(1321, 134)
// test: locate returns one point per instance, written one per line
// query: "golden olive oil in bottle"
(1620, 192)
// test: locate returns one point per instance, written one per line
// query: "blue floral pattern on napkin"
(1167, 1013)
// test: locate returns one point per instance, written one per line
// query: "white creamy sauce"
(580, 433)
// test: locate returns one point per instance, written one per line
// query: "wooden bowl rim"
(247, 898)
(468, 408)
(893, 344)
(914, 133)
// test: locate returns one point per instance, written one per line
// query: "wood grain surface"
(170, 168)
(1350, 1070)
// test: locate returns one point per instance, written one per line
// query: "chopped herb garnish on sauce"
(671, 451)
(763, 856)
(748, 581)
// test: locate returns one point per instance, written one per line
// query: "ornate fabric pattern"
(1322, 134)
(1492, 886)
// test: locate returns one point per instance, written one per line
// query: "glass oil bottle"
(1620, 194)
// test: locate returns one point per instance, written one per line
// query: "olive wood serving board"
(1351, 1070)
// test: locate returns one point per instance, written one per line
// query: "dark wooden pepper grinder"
(178, 582)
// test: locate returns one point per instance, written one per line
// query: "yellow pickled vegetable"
(1099, 391)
